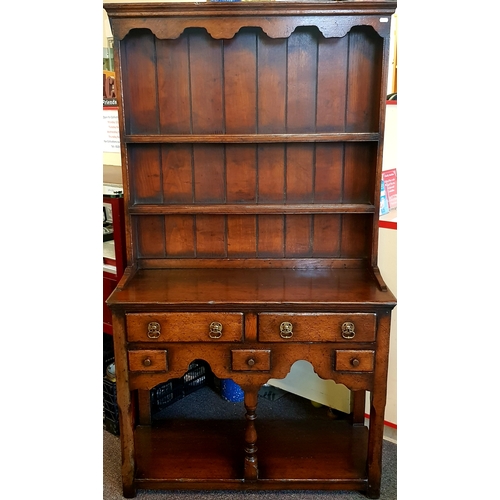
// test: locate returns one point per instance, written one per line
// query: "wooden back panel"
(252, 83)
(195, 86)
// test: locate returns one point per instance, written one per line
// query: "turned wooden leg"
(251, 464)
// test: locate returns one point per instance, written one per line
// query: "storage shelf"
(283, 449)
(252, 138)
(257, 209)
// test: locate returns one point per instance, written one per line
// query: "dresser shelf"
(313, 459)
(251, 138)
(254, 209)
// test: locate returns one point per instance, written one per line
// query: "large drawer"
(184, 327)
(318, 327)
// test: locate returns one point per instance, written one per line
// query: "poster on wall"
(390, 179)
(110, 114)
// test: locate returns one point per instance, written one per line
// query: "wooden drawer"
(320, 327)
(185, 327)
(354, 360)
(148, 360)
(251, 360)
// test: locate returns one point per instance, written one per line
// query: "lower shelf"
(208, 454)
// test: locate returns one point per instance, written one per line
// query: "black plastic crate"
(198, 375)
(111, 422)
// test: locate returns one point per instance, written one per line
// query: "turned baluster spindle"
(251, 465)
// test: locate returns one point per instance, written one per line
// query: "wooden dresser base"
(249, 452)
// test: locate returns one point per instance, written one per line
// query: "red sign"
(390, 179)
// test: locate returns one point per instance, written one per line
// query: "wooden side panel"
(140, 93)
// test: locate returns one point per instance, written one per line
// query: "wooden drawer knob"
(355, 362)
(286, 330)
(146, 362)
(215, 330)
(250, 362)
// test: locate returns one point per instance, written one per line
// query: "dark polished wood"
(252, 138)
(110, 279)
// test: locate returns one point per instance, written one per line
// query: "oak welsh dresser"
(252, 138)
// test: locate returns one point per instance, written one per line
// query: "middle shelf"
(258, 209)
(223, 138)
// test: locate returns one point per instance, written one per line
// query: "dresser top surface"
(264, 289)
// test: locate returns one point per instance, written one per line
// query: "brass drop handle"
(146, 362)
(348, 330)
(355, 362)
(286, 330)
(250, 362)
(215, 330)
(154, 330)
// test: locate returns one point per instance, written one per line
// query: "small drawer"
(185, 327)
(148, 361)
(255, 360)
(319, 327)
(354, 361)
